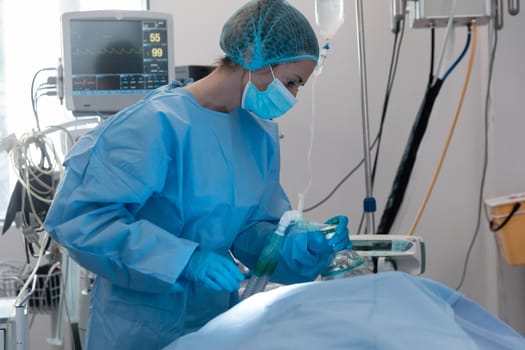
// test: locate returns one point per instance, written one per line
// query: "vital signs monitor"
(111, 59)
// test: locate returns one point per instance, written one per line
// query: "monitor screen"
(111, 59)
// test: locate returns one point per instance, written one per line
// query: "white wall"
(449, 221)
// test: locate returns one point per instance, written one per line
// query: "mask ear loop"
(271, 70)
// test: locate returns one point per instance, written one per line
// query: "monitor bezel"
(106, 104)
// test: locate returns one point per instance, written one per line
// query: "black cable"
(329, 195)
(408, 159)
(496, 228)
(485, 161)
(390, 82)
(432, 53)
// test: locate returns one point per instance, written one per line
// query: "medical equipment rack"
(42, 296)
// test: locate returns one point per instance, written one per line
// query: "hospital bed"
(387, 310)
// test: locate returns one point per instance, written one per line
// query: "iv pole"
(369, 204)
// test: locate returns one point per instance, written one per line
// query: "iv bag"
(329, 16)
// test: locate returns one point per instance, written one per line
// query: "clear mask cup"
(346, 262)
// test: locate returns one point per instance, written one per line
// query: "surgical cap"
(268, 32)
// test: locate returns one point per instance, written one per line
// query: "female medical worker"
(155, 198)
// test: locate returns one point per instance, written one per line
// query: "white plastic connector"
(288, 218)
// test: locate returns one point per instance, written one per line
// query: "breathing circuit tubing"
(267, 261)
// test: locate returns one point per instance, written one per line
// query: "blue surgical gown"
(143, 190)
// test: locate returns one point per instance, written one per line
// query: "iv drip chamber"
(329, 16)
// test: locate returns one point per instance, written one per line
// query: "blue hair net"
(268, 32)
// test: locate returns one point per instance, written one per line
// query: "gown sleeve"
(110, 174)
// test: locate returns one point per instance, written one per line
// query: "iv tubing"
(451, 132)
(300, 206)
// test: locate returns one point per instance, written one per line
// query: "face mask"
(275, 101)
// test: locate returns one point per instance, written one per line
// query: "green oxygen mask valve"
(269, 257)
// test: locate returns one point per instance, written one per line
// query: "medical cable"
(37, 182)
(339, 184)
(461, 56)
(29, 173)
(398, 39)
(485, 155)
(432, 53)
(34, 94)
(472, 31)
(19, 152)
(23, 162)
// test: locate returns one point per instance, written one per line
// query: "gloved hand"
(306, 253)
(340, 240)
(214, 271)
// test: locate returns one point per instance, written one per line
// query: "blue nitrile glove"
(340, 240)
(214, 271)
(306, 253)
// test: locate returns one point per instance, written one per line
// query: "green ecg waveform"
(107, 51)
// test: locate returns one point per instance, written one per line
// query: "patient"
(389, 310)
